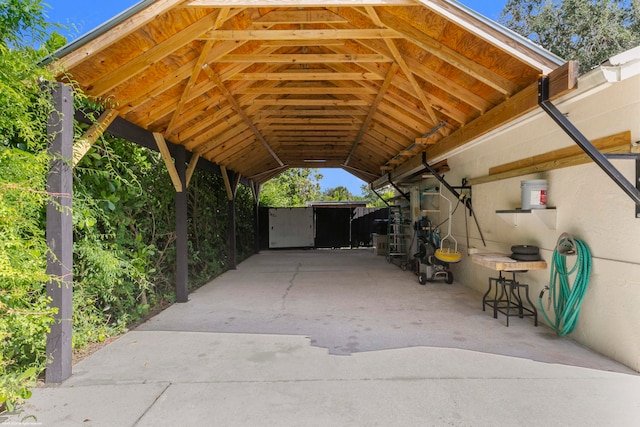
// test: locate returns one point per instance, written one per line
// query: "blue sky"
(82, 16)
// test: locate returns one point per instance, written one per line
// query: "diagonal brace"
(600, 159)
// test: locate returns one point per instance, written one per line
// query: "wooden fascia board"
(92, 134)
(505, 40)
(561, 81)
(119, 32)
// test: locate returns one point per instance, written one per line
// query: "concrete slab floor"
(354, 301)
(297, 338)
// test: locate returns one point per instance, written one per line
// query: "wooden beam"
(418, 91)
(92, 134)
(306, 76)
(562, 80)
(151, 91)
(449, 86)
(324, 34)
(327, 102)
(311, 90)
(236, 182)
(557, 159)
(149, 57)
(276, 171)
(300, 17)
(425, 141)
(367, 121)
(255, 190)
(524, 52)
(227, 183)
(238, 109)
(313, 121)
(458, 60)
(312, 127)
(184, 97)
(168, 161)
(295, 3)
(192, 167)
(308, 58)
(109, 38)
(285, 112)
(301, 43)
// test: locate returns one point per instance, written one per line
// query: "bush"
(24, 314)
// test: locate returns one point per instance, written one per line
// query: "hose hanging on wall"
(567, 299)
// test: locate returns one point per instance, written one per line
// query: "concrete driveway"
(339, 338)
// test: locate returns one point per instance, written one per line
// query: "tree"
(589, 31)
(338, 194)
(292, 188)
(373, 200)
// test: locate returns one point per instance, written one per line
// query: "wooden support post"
(60, 233)
(231, 182)
(182, 235)
(255, 190)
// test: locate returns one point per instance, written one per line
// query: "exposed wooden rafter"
(261, 85)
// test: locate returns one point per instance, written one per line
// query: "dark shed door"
(333, 226)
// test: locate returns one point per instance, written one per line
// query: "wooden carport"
(249, 88)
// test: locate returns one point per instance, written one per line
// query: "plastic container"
(534, 194)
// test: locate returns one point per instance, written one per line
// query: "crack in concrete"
(286, 292)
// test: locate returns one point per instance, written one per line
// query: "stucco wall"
(589, 205)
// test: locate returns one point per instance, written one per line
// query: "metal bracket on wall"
(466, 200)
(380, 197)
(405, 195)
(600, 159)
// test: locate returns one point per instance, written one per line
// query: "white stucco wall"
(589, 206)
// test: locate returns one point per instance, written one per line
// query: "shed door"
(291, 228)
(333, 227)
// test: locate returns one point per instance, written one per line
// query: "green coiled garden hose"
(567, 299)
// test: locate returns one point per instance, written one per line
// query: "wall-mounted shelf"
(548, 216)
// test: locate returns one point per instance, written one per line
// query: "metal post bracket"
(600, 159)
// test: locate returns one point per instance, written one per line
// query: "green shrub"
(24, 314)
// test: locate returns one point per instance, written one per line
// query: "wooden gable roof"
(258, 86)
